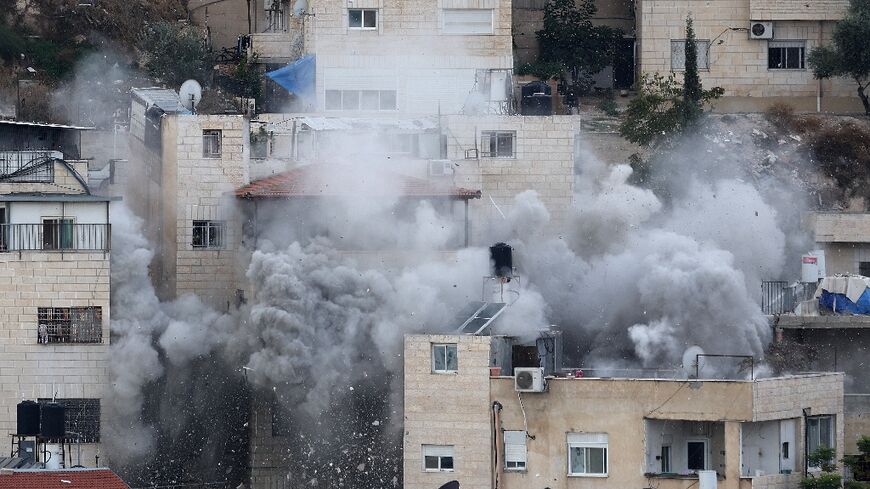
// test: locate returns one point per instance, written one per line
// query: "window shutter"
(588, 438)
(438, 450)
(467, 21)
(678, 55)
(786, 44)
(515, 446)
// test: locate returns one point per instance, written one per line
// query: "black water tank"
(502, 259)
(52, 421)
(536, 87)
(537, 105)
(28, 418)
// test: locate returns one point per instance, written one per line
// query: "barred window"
(497, 144)
(209, 234)
(81, 419)
(211, 143)
(786, 55)
(70, 324)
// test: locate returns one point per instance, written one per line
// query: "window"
(57, 234)
(666, 459)
(360, 100)
(467, 21)
(786, 55)
(696, 454)
(209, 234)
(444, 359)
(81, 418)
(358, 18)
(497, 144)
(678, 54)
(211, 143)
(587, 454)
(438, 458)
(70, 324)
(820, 432)
(515, 450)
(785, 450)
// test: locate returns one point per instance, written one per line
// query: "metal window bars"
(781, 297)
(28, 166)
(70, 324)
(81, 419)
(211, 143)
(209, 234)
(55, 235)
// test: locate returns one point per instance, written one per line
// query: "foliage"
(856, 485)
(848, 55)
(692, 91)
(249, 78)
(54, 59)
(781, 115)
(175, 53)
(823, 457)
(571, 41)
(860, 464)
(664, 108)
(843, 153)
(608, 105)
(823, 481)
(544, 71)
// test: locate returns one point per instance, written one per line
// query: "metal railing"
(781, 297)
(55, 236)
(26, 166)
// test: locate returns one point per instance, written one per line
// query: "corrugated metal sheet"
(164, 98)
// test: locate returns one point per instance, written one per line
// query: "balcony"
(55, 235)
(780, 297)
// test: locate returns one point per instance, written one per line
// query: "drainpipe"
(819, 81)
(806, 413)
(497, 444)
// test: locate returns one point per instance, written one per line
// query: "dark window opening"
(697, 455)
(81, 419)
(211, 143)
(70, 324)
(864, 268)
(57, 234)
(209, 234)
(786, 55)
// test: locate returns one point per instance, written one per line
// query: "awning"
(297, 77)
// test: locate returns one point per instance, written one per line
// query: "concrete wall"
(31, 370)
(739, 64)
(224, 20)
(857, 420)
(447, 409)
(63, 181)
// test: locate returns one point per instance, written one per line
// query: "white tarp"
(852, 286)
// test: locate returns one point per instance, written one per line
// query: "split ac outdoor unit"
(761, 30)
(440, 168)
(529, 379)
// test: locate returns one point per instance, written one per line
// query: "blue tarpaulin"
(841, 304)
(297, 77)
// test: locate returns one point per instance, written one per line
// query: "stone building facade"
(605, 432)
(754, 72)
(54, 299)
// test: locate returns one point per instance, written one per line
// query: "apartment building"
(507, 428)
(182, 167)
(55, 246)
(754, 49)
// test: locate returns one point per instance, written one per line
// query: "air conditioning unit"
(529, 379)
(440, 168)
(761, 30)
(471, 154)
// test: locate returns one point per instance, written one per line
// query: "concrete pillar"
(732, 455)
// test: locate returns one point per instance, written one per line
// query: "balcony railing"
(780, 297)
(52, 235)
(27, 166)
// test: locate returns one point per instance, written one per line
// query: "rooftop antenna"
(190, 94)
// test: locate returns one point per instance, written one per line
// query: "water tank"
(536, 88)
(536, 99)
(502, 259)
(28, 418)
(53, 420)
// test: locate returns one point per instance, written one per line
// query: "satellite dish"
(190, 94)
(450, 485)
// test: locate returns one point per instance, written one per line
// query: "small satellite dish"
(190, 94)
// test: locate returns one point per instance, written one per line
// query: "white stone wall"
(447, 409)
(737, 63)
(30, 370)
(201, 188)
(544, 162)
(408, 52)
(797, 9)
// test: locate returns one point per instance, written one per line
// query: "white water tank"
(707, 479)
(813, 266)
(53, 456)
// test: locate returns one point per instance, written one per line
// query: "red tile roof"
(336, 180)
(61, 479)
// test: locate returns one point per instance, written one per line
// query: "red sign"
(810, 259)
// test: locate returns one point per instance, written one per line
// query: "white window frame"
(706, 443)
(515, 451)
(446, 29)
(670, 459)
(218, 226)
(440, 452)
(833, 433)
(588, 441)
(703, 46)
(446, 369)
(362, 19)
(784, 44)
(342, 106)
(486, 138)
(212, 133)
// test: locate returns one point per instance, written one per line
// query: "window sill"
(445, 372)
(211, 157)
(599, 476)
(438, 471)
(365, 29)
(673, 475)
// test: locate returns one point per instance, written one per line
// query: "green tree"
(665, 108)
(860, 464)
(848, 55)
(570, 40)
(822, 457)
(175, 53)
(692, 91)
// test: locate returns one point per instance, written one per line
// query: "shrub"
(843, 153)
(856, 485)
(823, 481)
(608, 104)
(808, 124)
(780, 115)
(175, 53)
